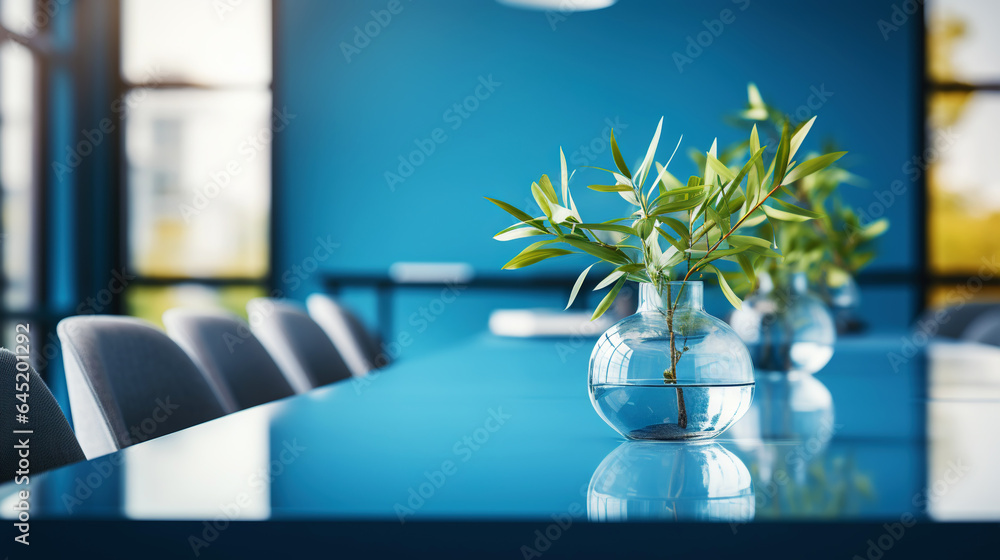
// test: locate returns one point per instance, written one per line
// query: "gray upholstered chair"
(985, 329)
(51, 443)
(954, 320)
(128, 382)
(235, 362)
(358, 347)
(305, 354)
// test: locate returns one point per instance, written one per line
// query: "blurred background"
(159, 153)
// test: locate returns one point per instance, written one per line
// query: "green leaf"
(599, 251)
(548, 189)
(517, 232)
(519, 214)
(729, 293)
(564, 178)
(647, 161)
(527, 258)
(781, 158)
(606, 227)
(609, 299)
(683, 191)
(615, 275)
(540, 199)
(783, 215)
(677, 226)
(619, 160)
(799, 136)
(678, 206)
(720, 168)
(610, 188)
(746, 265)
(794, 209)
(578, 284)
(754, 220)
(715, 255)
(670, 239)
(875, 229)
(810, 166)
(747, 241)
(709, 172)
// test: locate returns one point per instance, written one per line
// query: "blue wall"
(361, 105)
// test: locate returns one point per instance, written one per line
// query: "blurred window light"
(21, 16)
(962, 39)
(963, 107)
(963, 188)
(197, 42)
(199, 182)
(19, 121)
(150, 302)
(197, 149)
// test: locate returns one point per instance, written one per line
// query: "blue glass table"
(502, 429)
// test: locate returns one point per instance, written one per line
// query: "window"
(20, 164)
(963, 109)
(196, 80)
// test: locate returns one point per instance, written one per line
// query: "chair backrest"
(51, 442)
(305, 354)
(358, 347)
(129, 382)
(236, 364)
(985, 329)
(951, 322)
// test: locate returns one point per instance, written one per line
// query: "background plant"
(831, 248)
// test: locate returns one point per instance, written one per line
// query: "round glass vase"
(787, 329)
(671, 371)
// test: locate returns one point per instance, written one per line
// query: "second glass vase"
(787, 329)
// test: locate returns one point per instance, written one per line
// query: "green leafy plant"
(831, 248)
(676, 230)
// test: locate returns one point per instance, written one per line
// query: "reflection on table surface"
(503, 429)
